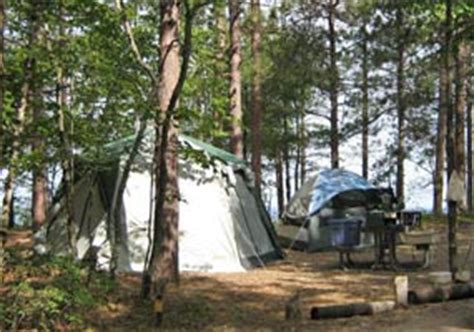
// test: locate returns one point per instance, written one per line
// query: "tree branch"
(131, 39)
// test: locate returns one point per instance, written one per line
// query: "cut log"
(430, 294)
(351, 309)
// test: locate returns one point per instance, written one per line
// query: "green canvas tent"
(223, 225)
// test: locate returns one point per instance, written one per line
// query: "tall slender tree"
(401, 106)
(67, 164)
(450, 147)
(256, 122)
(365, 101)
(279, 180)
(334, 83)
(235, 89)
(469, 138)
(40, 179)
(21, 112)
(164, 257)
(460, 105)
(440, 144)
(2, 75)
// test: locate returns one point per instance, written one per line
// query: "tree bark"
(235, 94)
(296, 170)
(334, 85)
(450, 155)
(164, 257)
(461, 102)
(2, 76)
(67, 163)
(440, 144)
(303, 150)
(40, 179)
(286, 162)
(40, 194)
(19, 123)
(450, 151)
(351, 309)
(469, 137)
(400, 182)
(365, 105)
(279, 181)
(222, 63)
(256, 106)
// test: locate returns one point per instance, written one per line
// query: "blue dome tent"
(333, 200)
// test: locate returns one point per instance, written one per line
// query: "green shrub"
(51, 290)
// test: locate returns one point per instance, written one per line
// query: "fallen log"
(431, 294)
(351, 309)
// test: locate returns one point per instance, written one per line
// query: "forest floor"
(255, 300)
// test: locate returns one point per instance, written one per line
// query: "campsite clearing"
(256, 299)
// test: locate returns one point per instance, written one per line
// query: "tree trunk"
(235, 95)
(334, 83)
(286, 162)
(440, 144)
(222, 63)
(469, 119)
(164, 258)
(461, 101)
(115, 230)
(400, 183)
(450, 155)
(19, 122)
(279, 181)
(450, 151)
(296, 170)
(40, 196)
(256, 106)
(365, 105)
(2, 76)
(303, 150)
(40, 179)
(67, 163)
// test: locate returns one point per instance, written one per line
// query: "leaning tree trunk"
(400, 183)
(334, 86)
(256, 122)
(235, 95)
(440, 144)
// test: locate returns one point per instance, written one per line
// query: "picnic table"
(391, 229)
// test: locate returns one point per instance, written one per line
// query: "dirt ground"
(256, 300)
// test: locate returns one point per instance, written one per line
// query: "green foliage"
(51, 291)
